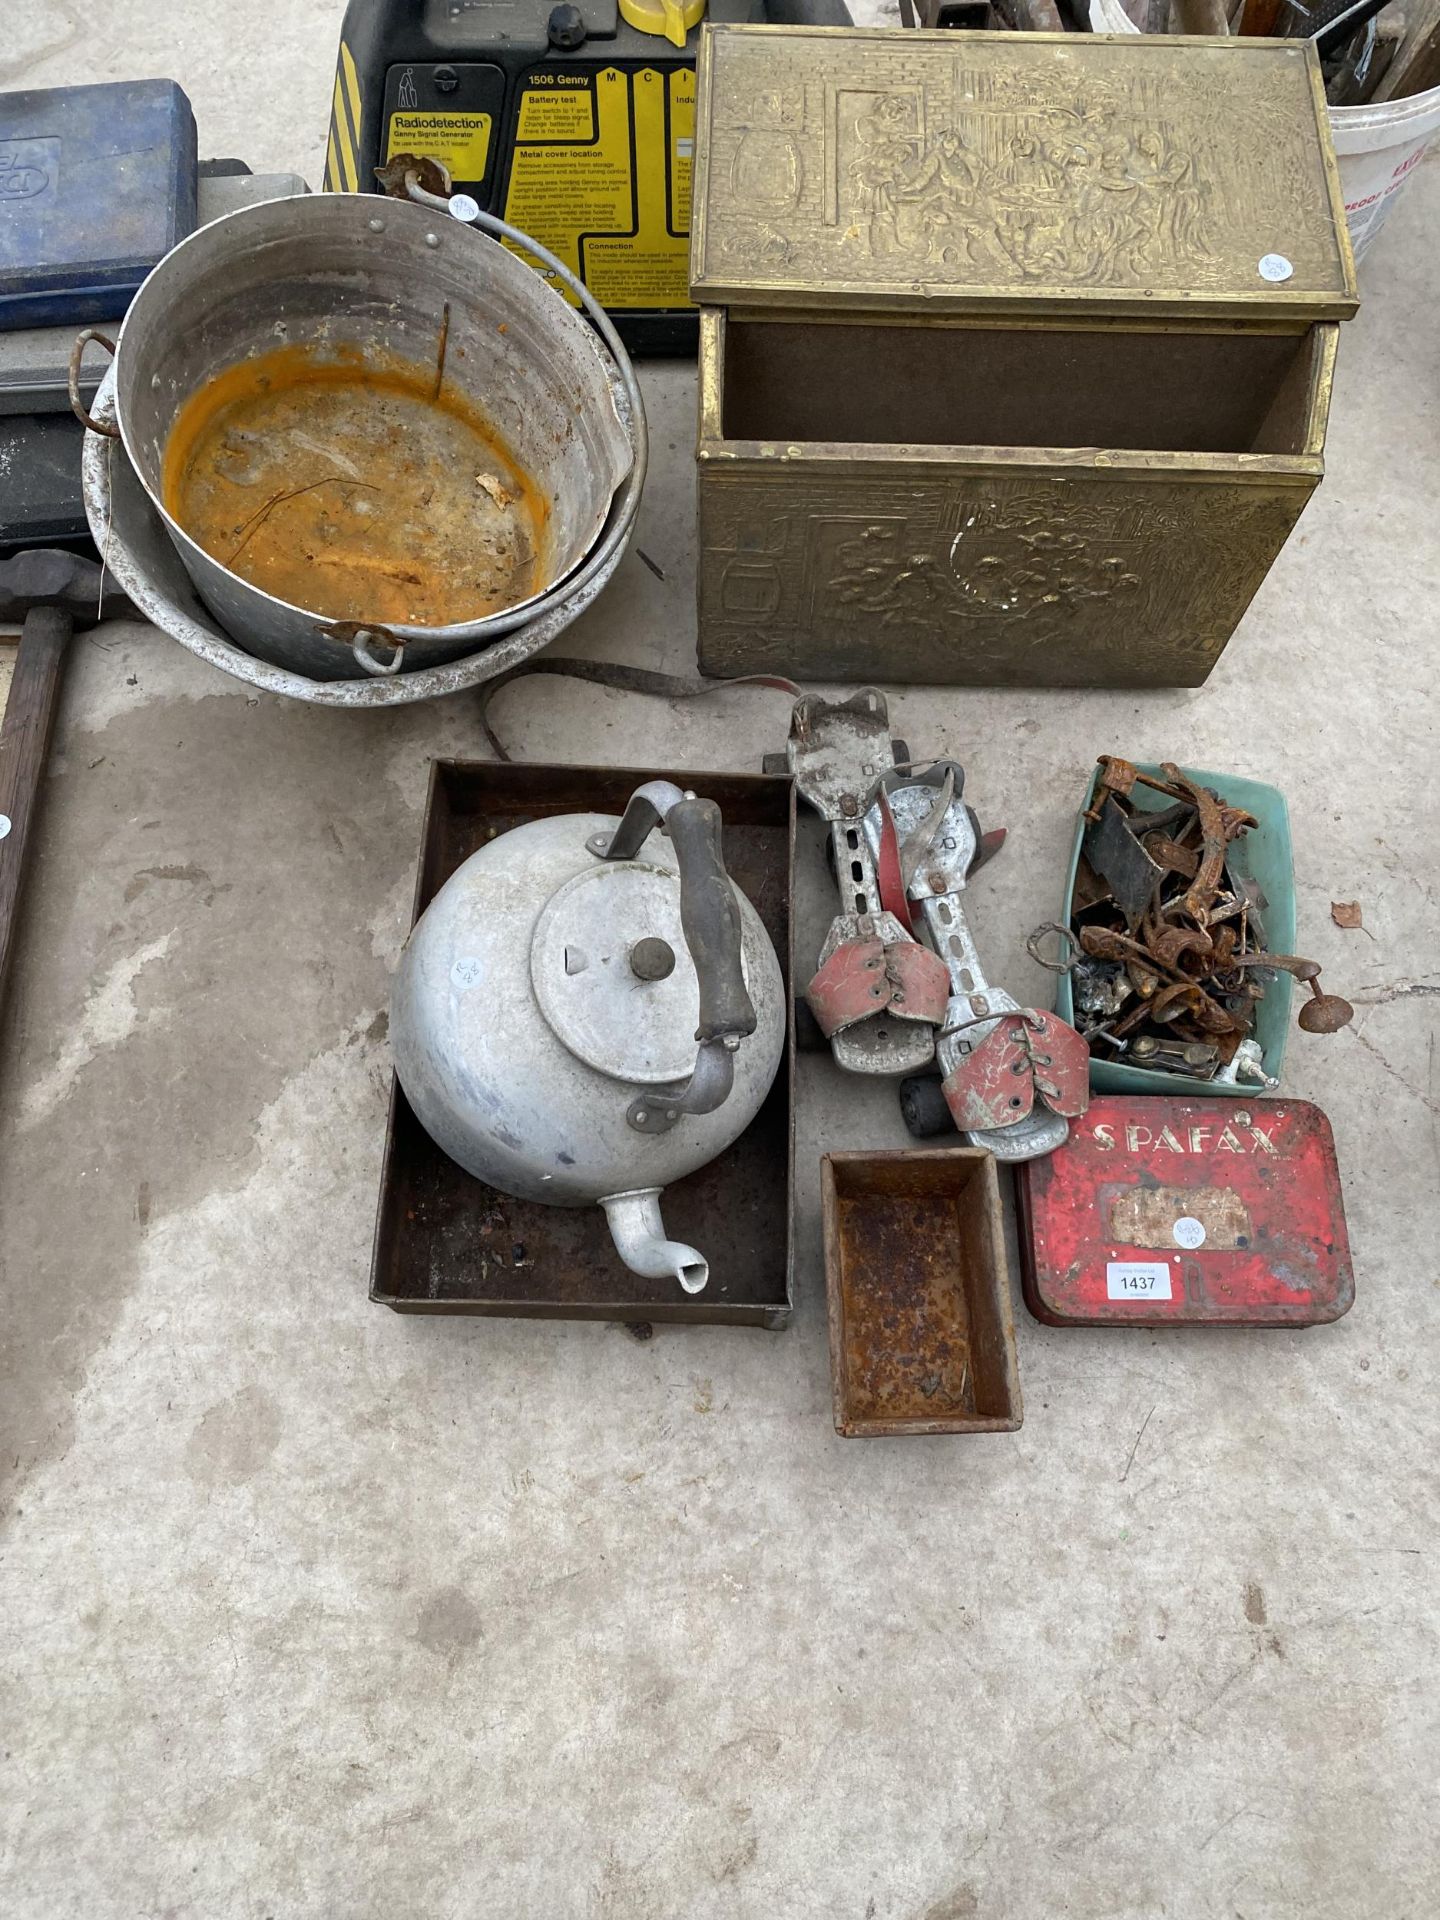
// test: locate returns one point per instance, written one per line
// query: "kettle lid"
(612, 973)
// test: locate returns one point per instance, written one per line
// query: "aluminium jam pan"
(360, 295)
(446, 1242)
(142, 559)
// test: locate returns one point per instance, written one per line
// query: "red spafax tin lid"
(1160, 1212)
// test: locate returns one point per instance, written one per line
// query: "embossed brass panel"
(967, 172)
(840, 569)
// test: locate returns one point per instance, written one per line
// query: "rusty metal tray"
(922, 1335)
(447, 1243)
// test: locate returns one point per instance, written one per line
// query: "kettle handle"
(710, 915)
(709, 911)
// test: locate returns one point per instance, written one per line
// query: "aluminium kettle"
(589, 1009)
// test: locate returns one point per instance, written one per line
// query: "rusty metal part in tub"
(1166, 945)
(900, 984)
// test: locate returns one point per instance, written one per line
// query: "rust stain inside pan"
(359, 487)
(921, 1336)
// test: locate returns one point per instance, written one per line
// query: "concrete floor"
(314, 1611)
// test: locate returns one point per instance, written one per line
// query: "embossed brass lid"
(997, 172)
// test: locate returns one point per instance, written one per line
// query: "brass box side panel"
(710, 368)
(1015, 172)
(1322, 386)
(968, 574)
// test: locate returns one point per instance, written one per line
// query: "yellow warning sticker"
(610, 197)
(459, 141)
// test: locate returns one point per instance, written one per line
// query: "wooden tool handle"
(24, 743)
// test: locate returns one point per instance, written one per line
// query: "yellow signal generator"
(575, 123)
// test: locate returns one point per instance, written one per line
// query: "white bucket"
(1379, 147)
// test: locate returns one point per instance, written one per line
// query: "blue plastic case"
(97, 184)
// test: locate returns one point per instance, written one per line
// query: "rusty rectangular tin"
(1016, 350)
(1169, 1212)
(446, 1242)
(922, 1336)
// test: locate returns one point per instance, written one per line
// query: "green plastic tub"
(1265, 854)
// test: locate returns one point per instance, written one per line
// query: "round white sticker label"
(1274, 266)
(463, 206)
(466, 972)
(1188, 1231)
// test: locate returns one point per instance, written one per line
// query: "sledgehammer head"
(45, 577)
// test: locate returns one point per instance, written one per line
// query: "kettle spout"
(639, 1236)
